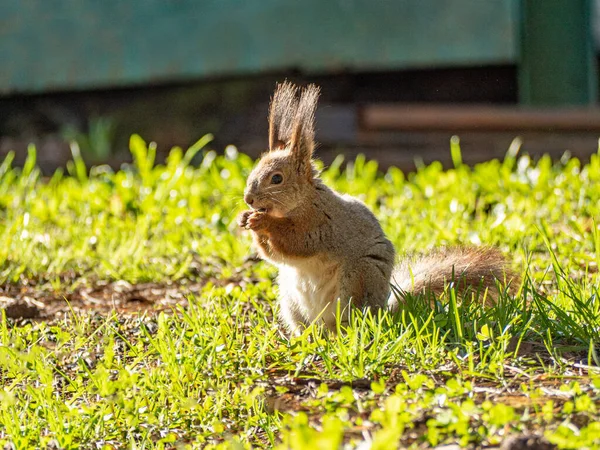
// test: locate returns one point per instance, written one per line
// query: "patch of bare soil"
(34, 302)
(37, 300)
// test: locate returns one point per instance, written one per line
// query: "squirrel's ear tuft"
(282, 112)
(302, 141)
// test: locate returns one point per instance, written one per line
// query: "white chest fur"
(311, 287)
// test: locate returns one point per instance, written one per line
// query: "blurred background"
(399, 77)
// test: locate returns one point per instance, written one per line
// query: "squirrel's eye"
(276, 179)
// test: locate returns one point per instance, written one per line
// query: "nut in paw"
(256, 220)
(242, 218)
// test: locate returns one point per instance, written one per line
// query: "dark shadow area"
(234, 110)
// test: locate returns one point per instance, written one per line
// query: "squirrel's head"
(284, 177)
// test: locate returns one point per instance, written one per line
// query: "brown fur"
(328, 246)
(468, 267)
(281, 115)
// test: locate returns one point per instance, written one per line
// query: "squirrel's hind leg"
(367, 285)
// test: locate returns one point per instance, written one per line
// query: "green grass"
(219, 371)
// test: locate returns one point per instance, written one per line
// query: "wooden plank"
(404, 148)
(50, 45)
(492, 118)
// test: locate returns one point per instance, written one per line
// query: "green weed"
(220, 372)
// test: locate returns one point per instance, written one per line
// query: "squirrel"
(330, 247)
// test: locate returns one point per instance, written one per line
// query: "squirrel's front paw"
(256, 220)
(242, 218)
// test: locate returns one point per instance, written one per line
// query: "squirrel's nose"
(249, 199)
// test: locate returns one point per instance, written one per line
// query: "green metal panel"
(558, 65)
(77, 44)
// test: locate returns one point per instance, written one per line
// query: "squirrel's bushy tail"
(477, 268)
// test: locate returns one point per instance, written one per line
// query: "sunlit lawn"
(218, 370)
